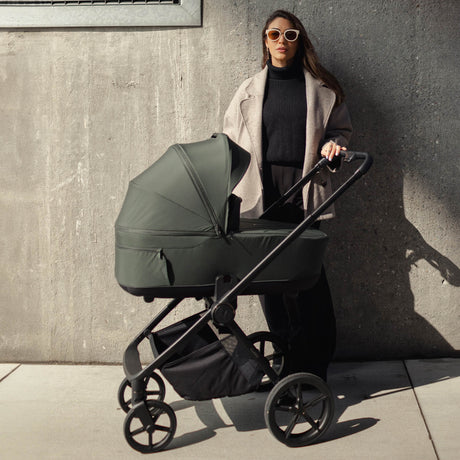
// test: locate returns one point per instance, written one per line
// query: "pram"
(179, 235)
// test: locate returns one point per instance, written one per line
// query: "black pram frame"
(235, 363)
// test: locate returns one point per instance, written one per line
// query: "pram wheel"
(154, 437)
(272, 348)
(154, 389)
(299, 409)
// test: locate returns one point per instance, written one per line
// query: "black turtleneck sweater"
(284, 115)
(283, 135)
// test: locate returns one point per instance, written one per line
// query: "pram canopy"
(187, 189)
(179, 228)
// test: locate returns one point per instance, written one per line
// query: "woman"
(287, 116)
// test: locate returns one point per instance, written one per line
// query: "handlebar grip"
(350, 156)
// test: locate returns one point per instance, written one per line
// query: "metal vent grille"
(86, 2)
(99, 13)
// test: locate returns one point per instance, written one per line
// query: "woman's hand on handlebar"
(330, 150)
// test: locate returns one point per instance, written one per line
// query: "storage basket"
(207, 367)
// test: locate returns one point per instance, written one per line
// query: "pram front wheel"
(154, 389)
(153, 437)
(299, 409)
(273, 349)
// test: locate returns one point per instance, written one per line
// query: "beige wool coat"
(243, 124)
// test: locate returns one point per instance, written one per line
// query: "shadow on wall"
(373, 247)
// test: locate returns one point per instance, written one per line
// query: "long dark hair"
(305, 52)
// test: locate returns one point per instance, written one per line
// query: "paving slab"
(71, 412)
(378, 415)
(437, 386)
(60, 412)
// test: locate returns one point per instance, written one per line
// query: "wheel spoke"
(262, 347)
(273, 356)
(150, 438)
(152, 392)
(310, 420)
(166, 429)
(291, 426)
(137, 431)
(299, 396)
(315, 401)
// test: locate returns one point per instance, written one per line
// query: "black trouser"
(305, 320)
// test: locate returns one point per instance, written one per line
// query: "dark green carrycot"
(179, 228)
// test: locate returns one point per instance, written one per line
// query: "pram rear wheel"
(154, 389)
(154, 437)
(272, 348)
(299, 409)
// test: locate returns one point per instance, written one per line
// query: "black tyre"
(154, 389)
(154, 437)
(274, 350)
(299, 409)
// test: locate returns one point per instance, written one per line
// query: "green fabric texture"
(198, 260)
(186, 189)
(172, 228)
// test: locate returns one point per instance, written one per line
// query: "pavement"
(384, 410)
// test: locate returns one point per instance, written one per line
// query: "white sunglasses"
(290, 35)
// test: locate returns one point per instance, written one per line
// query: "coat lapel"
(320, 102)
(251, 111)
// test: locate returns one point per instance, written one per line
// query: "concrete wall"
(83, 111)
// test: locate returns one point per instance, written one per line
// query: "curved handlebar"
(352, 156)
(348, 156)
